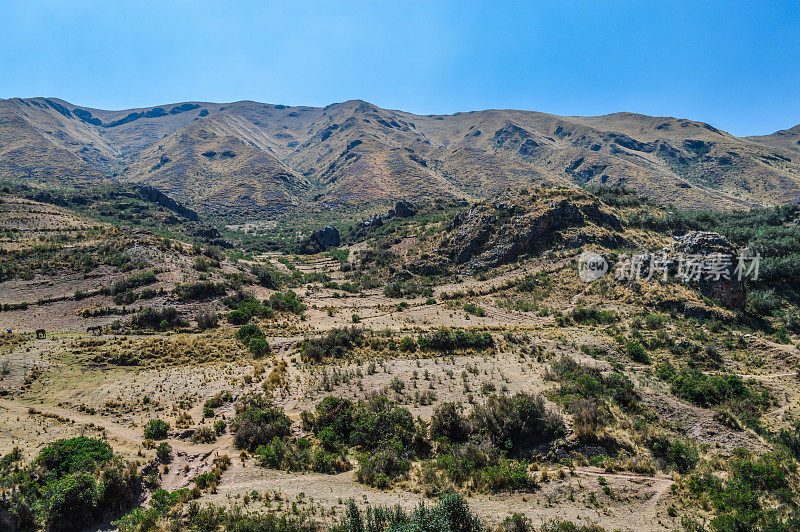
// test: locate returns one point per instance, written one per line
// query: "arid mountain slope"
(354, 154)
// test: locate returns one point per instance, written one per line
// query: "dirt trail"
(112, 429)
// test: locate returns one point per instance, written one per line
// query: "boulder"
(728, 289)
(327, 237)
(404, 209)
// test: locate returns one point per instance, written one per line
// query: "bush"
(445, 339)
(587, 417)
(449, 423)
(593, 316)
(204, 435)
(450, 514)
(515, 423)
(368, 424)
(267, 277)
(287, 301)
(248, 333)
(254, 426)
(160, 320)
(239, 317)
(578, 380)
(259, 347)
(637, 352)
(75, 454)
(156, 429)
(407, 345)
(164, 452)
(199, 290)
(336, 343)
(380, 467)
(133, 281)
(207, 319)
(472, 308)
(70, 485)
(707, 390)
(72, 503)
(679, 455)
(763, 302)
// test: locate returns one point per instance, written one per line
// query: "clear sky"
(733, 64)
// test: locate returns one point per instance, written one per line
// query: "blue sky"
(733, 64)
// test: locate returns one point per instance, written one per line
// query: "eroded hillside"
(252, 159)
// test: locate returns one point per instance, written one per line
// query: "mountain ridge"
(356, 155)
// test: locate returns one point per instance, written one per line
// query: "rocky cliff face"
(717, 277)
(513, 224)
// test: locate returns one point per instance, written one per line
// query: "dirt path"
(116, 430)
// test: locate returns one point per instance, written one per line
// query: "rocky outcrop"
(327, 237)
(320, 240)
(510, 225)
(402, 209)
(717, 277)
(153, 195)
(44, 197)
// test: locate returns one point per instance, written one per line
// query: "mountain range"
(258, 160)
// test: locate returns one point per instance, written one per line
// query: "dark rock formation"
(718, 278)
(327, 237)
(499, 231)
(320, 240)
(44, 197)
(404, 209)
(154, 195)
(510, 225)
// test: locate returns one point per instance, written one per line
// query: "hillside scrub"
(445, 339)
(336, 343)
(70, 485)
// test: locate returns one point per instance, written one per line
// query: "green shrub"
(679, 455)
(239, 317)
(199, 290)
(156, 429)
(380, 467)
(336, 343)
(72, 503)
(637, 352)
(450, 514)
(248, 333)
(258, 425)
(472, 308)
(367, 425)
(407, 345)
(578, 380)
(131, 282)
(445, 339)
(287, 301)
(593, 316)
(259, 347)
(763, 302)
(160, 320)
(267, 276)
(449, 423)
(164, 452)
(74, 454)
(515, 423)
